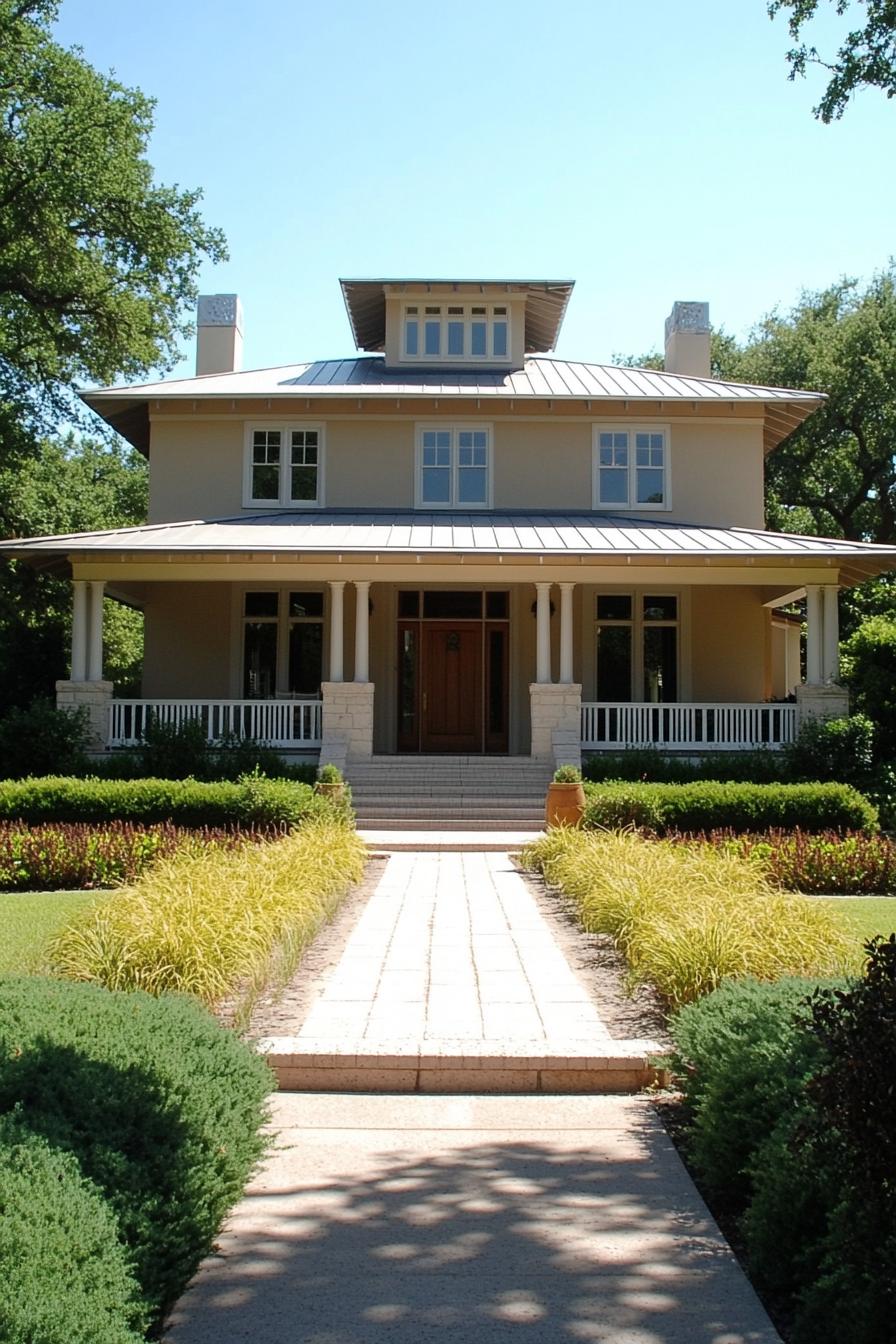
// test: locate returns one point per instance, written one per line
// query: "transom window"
(456, 331)
(453, 467)
(630, 468)
(636, 647)
(284, 465)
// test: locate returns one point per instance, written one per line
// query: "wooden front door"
(451, 686)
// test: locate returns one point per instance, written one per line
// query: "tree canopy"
(866, 56)
(98, 262)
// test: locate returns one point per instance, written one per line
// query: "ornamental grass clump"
(215, 924)
(688, 917)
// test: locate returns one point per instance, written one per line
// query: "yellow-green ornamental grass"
(684, 917)
(215, 924)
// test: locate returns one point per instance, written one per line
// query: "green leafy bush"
(63, 856)
(649, 766)
(182, 751)
(330, 774)
(869, 669)
(160, 1106)
(838, 749)
(708, 805)
(567, 774)
(42, 739)
(252, 801)
(64, 1273)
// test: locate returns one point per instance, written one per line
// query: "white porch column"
(337, 589)
(813, 634)
(543, 634)
(79, 630)
(362, 630)
(95, 627)
(830, 663)
(566, 633)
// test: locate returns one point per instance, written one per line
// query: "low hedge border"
(252, 801)
(708, 805)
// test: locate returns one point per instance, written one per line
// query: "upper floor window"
(284, 466)
(453, 467)
(456, 331)
(631, 468)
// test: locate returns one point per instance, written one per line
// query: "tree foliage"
(97, 261)
(866, 56)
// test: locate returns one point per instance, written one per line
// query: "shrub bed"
(708, 805)
(854, 863)
(685, 916)
(791, 1098)
(64, 1273)
(252, 801)
(159, 1107)
(215, 923)
(69, 855)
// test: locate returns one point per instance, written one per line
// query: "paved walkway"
(452, 947)
(455, 1220)
(405, 1219)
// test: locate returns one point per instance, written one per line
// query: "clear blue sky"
(649, 150)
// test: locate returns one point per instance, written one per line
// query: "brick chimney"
(219, 334)
(687, 339)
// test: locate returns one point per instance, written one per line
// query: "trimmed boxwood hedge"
(159, 1104)
(252, 801)
(64, 1273)
(706, 805)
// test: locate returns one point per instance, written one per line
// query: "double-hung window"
(282, 643)
(637, 647)
(456, 331)
(453, 467)
(631, 467)
(283, 466)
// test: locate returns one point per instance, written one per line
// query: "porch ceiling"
(487, 538)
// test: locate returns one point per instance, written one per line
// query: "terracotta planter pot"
(565, 804)
(330, 790)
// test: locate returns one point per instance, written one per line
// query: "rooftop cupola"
(467, 324)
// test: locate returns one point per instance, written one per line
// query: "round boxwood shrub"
(64, 1274)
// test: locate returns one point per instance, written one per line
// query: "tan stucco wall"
(729, 630)
(196, 468)
(187, 640)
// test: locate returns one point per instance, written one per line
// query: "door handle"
(424, 702)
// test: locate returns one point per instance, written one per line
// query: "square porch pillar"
(347, 722)
(556, 710)
(96, 698)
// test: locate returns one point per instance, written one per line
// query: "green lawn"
(867, 915)
(28, 920)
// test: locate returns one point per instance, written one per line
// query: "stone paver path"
(452, 946)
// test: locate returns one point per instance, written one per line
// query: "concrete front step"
(430, 822)
(473, 1066)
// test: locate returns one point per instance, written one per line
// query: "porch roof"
(482, 535)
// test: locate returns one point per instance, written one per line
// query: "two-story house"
(455, 543)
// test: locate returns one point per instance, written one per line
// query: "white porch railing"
(709, 727)
(273, 723)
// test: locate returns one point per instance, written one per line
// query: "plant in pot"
(565, 804)
(330, 782)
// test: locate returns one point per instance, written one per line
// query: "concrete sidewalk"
(459, 1219)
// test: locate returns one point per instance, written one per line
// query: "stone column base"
(556, 723)
(95, 697)
(821, 702)
(347, 719)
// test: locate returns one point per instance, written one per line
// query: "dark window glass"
(661, 608)
(660, 663)
(497, 700)
(614, 662)
(305, 646)
(614, 607)
(306, 604)
(496, 606)
(409, 606)
(407, 680)
(259, 659)
(261, 604)
(452, 606)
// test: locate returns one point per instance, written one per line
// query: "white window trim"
(631, 429)
(454, 429)
(282, 620)
(467, 319)
(286, 427)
